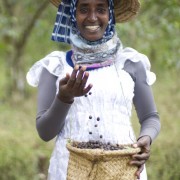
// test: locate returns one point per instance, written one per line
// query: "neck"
(84, 53)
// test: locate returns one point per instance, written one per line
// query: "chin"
(92, 39)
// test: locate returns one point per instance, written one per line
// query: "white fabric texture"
(110, 100)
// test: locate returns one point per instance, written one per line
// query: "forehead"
(102, 2)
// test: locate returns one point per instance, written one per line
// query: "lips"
(92, 28)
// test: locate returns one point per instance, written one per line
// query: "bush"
(23, 156)
(22, 159)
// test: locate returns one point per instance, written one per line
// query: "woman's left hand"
(139, 159)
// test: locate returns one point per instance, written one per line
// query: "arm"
(51, 112)
(144, 101)
(145, 106)
(52, 108)
(147, 114)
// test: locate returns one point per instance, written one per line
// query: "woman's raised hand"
(74, 85)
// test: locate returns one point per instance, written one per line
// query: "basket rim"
(101, 152)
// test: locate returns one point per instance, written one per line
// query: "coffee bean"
(97, 145)
(91, 141)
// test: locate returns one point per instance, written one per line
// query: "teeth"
(92, 27)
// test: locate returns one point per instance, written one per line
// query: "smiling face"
(92, 18)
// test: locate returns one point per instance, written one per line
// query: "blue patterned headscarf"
(66, 23)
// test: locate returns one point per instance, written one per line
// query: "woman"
(87, 93)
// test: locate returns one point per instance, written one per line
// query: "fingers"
(81, 78)
(87, 89)
(137, 162)
(144, 141)
(84, 80)
(76, 77)
(138, 172)
(141, 158)
(64, 80)
(72, 78)
(144, 144)
(75, 84)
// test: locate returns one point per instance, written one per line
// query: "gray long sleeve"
(144, 101)
(52, 112)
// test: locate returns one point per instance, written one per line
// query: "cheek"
(106, 22)
(79, 22)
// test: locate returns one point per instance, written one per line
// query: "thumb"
(64, 80)
(135, 145)
(139, 143)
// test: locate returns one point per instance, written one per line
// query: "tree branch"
(28, 29)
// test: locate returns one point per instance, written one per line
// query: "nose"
(92, 16)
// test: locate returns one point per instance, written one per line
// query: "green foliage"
(23, 156)
(164, 161)
(155, 32)
(16, 159)
(165, 152)
(168, 155)
(18, 21)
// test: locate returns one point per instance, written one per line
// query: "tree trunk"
(15, 70)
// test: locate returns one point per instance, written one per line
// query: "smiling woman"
(86, 94)
(92, 18)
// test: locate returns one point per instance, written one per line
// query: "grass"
(23, 156)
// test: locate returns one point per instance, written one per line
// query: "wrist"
(65, 99)
(147, 138)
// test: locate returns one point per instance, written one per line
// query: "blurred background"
(25, 37)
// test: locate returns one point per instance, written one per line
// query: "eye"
(102, 10)
(83, 10)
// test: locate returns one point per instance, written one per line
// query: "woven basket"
(98, 164)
